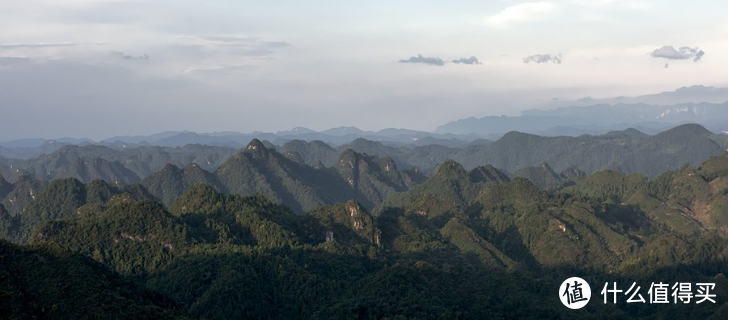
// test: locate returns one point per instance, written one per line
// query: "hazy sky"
(99, 68)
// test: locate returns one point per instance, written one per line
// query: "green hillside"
(462, 244)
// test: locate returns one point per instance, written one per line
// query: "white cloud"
(565, 10)
(522, 12)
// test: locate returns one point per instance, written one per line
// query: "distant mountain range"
(650, 114)
(307, 175)
(691, 94)
(594, 119)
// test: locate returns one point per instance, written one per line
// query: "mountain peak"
(318, 165)
(295, 131)
(349, 158)
(699, 89)
(687, 129)
(488, 174)
(516, 136)
(192, 167)
(255, 144)
(342, 131)
(5, 187)
(294, 156)
(572, 173)
(633, 132)
(546, 167)
(168, 167)
(450, 169)
(257, 148)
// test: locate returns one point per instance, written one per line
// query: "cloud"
(426, 60)
(37, 45)
(683, 53)
(129, 57)
(544, 58)
(471, 60)
(522, 12)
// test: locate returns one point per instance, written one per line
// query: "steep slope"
(5, 187)
(543, 176)
(171, 181)
(488, 174)
(311, 152)
(374, 179)
(468, 241)
(25, 189)
(448, 191)
(685, 200)
(345, 227)
(260, 170)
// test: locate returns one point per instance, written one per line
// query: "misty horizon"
(92, 68)
(693, 94)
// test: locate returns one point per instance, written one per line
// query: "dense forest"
(267, 237)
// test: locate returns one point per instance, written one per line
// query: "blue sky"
(98, 68)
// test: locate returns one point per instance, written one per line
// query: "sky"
(101, 68)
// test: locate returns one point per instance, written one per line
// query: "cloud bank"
(435, 61)
(130, 57)
(544, 58)
(682, 53)
(471, 60)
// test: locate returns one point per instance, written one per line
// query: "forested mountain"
(546, 178)
(312, 153)
(18, 194)
(311, 231)
(57, 200)
(446, 248)
(171, 181)
(126, 165)
(629, 151)
(261, 170)
(369, 175)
